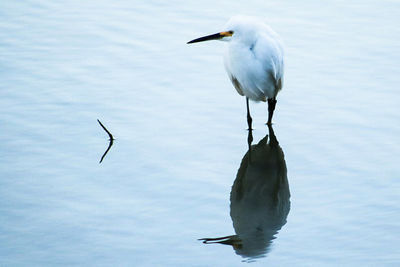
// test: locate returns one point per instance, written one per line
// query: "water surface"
(180, 133)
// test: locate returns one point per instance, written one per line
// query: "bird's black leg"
(249, 119)
(271, 108)
(249, 141)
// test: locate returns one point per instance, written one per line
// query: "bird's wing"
(237, 85)
(277, 80)
(274, 68)
(271, 55)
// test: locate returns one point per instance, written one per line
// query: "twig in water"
(111, 140)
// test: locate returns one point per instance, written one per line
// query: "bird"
(253, 59)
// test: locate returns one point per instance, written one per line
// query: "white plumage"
(254, 57)
(254, 60)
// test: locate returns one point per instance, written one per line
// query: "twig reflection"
(111, 139)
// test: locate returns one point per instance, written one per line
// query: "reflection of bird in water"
(259, 199)
(253, 60)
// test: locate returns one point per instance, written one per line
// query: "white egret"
(253, 60)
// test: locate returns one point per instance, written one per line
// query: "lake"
(320, 188)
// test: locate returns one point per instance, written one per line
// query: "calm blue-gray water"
(323, 188)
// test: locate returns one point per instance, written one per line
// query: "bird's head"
(239, 27)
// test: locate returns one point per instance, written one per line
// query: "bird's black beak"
(215, 36)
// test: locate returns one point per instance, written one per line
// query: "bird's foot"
(249, 122)
(250, 139)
